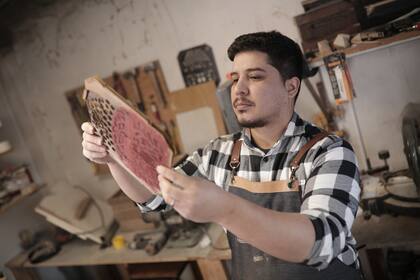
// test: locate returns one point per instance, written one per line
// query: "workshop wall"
(58, 47)
(66, 43)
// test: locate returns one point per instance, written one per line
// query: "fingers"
(93, 147)
(169, 191)
(93, 139)
(88, 127)
(177, 180)
(94, 155)
(92, 144)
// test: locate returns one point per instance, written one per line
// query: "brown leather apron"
(285, 196)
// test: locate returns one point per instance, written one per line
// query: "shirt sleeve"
(197, 163)
(330, 199)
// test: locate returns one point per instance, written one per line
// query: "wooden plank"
(196, 97)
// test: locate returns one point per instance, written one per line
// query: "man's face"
(258, 92)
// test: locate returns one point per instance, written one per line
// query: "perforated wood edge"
(98, 86)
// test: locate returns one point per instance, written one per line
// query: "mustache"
(242, 100)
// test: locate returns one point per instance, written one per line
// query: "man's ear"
(292, 86)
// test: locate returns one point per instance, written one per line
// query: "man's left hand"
(194, 198)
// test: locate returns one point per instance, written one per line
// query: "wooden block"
(342, 41)
(324, 48)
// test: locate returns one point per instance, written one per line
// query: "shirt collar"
(295, 127)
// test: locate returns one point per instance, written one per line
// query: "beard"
(252, 123)
(248, 123)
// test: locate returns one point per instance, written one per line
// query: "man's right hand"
(93, 147)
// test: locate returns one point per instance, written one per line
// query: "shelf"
(366, 47)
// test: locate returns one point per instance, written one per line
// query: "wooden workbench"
(376, 233)
(86, 253)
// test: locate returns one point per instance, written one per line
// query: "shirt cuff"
(153, 204)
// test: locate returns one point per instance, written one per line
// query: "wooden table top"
(85, 252)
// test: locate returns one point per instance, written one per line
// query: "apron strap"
(236, 154)
(302, 152)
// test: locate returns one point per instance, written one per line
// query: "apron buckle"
(293, 177)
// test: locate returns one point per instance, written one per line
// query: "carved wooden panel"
(129, 138)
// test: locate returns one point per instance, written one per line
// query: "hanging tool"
(156, 242)
(118, 84)
(151, 242)
(135, 77)
(152, 69)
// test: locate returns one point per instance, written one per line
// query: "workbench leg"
(123, 270)
(377, 263)
(24, 273)
(212, 269)
(365, 264)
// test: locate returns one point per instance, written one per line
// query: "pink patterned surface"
(140, 147)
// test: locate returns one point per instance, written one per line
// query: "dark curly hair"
(283, 53)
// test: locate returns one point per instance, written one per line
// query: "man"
(283, 221)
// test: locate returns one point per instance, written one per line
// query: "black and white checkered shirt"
(329, 177)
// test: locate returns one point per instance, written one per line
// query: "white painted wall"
(385, 80)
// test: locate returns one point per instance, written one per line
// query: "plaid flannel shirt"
(329, 177)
